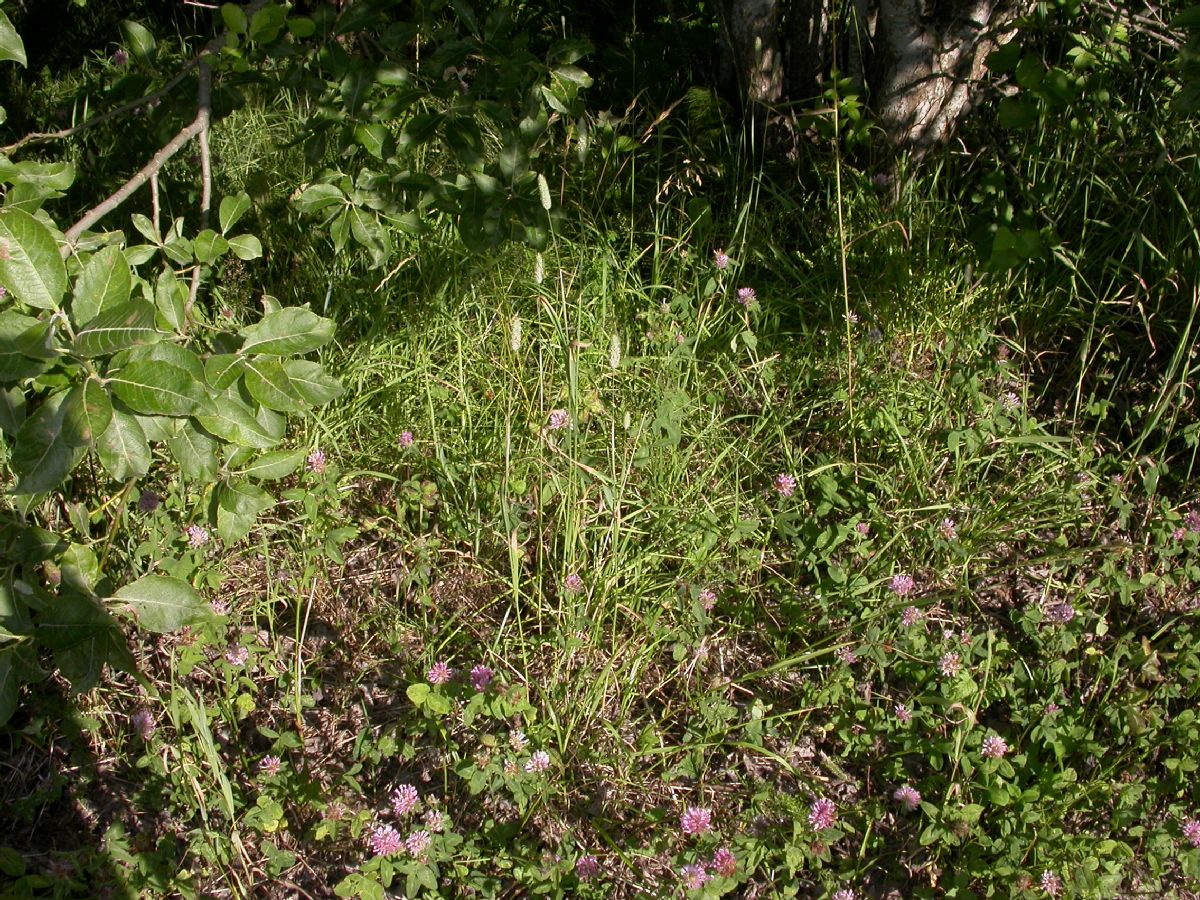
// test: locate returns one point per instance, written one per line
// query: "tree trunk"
(928, 66)
(753, 30)
(920, 62)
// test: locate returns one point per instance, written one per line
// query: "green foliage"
(107, 358)
(464, 128)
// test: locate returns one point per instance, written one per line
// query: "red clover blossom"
(993, 747)
(822, 814)
(385, 840)
(695, 820)
(404, 800)
(908, 797)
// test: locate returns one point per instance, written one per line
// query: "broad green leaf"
(170, 297)
(86, 413)
(23, 346)
(365, 227)
(245, 246)
(310, 380)
(265, 24)
(80, 569)
(50, 177)
(223, 370)
(122, 448)
(12, 48)
(301, 26)
(209, 246)
(273, 465)
(138, 40)
(84, 637)
(239, 505)
(179, 250)
(104, 283)
(420, 129)
(140, 253)
(158, 429)
(232, 210)
(167, 352)
(12, 410)
(162, 604)
(146, 227)
(30, 265)
(41, 457)
(233, 420)
(196, 453)
(418, 693)
(157, 388)
(234, 18)
(317, 197)
(373, 138)
(286, 332)
(339, 230)
(118, 328)
(268, 383)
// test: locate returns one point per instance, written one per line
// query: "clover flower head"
(908, 797)
(694, 876)
(237, 656)
(587, 867)
(695, 820)
(417, 843)
(724, 863)
(270, 765)
(747, 296)
(384, 840)
(1059, 613)
(948, 529)
(950, 664)
(822, 814)
(197, 536)
(440, 673)
(1051, 883)
(404, 800)
(1191, 831)
(481, 677)
(316, 462)
(720, 259)
(902, 585)
(785, 484)
(573, 584)
(993, 747)
(903, 713)
(143, 723)
(707, 598)
(559, 419)
(538, 762)
(911, 616)
(406, 440)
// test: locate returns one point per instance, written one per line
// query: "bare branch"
(212, 47)
(203, 114)
(96, 213)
